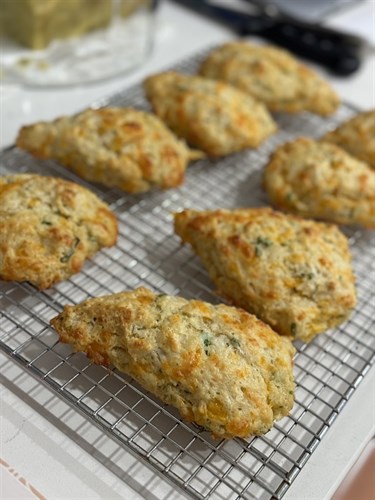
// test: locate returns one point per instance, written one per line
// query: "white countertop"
(44, 440)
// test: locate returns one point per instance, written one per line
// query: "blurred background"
(59, 56)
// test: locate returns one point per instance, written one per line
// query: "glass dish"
(70, 42)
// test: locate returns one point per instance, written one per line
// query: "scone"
(320, 180)
(357, 136)
(116, 147)
(294, 274)
(49, 227)
(219, 366)
(271, 75)
(211, 116)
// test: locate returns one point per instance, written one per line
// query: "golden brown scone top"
(271, 75)
(219, 366)
(212, 116)
(356, 136)
(117, 147)
(320, 180)
(49, 227)
(294, 274)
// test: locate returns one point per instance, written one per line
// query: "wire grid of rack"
(148, 253)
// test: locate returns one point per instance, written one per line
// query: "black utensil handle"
(337, 51)
(333, 49)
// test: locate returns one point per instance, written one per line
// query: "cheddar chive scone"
(49, 227)
(219, 366)
(271, 75)
(116, 147)
(356, 136)
(320, 180)
(212, 116)
(294, 274)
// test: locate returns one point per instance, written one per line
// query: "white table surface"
(44, 440)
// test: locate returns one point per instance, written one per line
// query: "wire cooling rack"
(327, 370)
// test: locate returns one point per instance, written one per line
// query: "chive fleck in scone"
(212, 116)
(117, 147)
(357, 136)
(48, 227)
(219, 366)
(320, 180)
(294, 274)
(271, 75)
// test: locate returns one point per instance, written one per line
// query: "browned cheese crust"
(48, 227)
(320, 180)
(219, 366)
(212, 116)
(117, 147)
(271, 75)
(356, 136)
(294, 274)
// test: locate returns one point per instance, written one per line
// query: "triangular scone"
(294, 274)
(271, 75)
(356, 136)
(320, 180)
(117, 147)
(219, 366)
(212, 116)
(49, 227)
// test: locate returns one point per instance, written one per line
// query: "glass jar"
(69, 42)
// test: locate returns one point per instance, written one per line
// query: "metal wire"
(328, 370)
